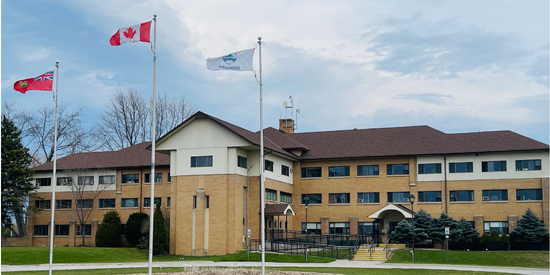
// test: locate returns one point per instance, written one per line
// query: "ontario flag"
(136, 33)
(43, 82)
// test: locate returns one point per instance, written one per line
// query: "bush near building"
(109, 231)
(530, 229)
(136, 227)
(160, 234)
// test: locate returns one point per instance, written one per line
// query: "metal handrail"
(372, 246)
(386, 248)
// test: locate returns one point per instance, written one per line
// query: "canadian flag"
(136, 33)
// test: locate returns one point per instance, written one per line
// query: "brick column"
(545, 201)
(199, 225)
(30, 230)
(353, 225)
(324, 225)
(512, 222)
(478, 219)
(72, 232)
(94, 230)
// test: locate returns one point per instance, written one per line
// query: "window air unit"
(131, 181)
(406, 200)
(486, 198)
(360, 200)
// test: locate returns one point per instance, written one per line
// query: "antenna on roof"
(291, 107)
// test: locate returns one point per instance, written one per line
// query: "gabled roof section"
(284, 140)
(282, 209)
(133, 156)
(381, 213)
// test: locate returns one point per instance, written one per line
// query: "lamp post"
(306, 200)
(411, 199)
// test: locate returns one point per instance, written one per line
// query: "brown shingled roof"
(133, 156)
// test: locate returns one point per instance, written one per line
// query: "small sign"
(249, 233)
(447, 230)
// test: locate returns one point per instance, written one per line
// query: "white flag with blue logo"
(238, 61)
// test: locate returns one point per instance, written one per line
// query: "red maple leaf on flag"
(129, 33)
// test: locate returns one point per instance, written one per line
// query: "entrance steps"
(392, 245)
(364, 255)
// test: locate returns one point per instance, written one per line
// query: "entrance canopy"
(282, 209)
(380, 214)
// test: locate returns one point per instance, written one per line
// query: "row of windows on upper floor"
(207, 161)
(428, 168)
(90, 180)
(425, 196)
(102, 203)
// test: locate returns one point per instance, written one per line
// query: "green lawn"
(538, 259)
(301, 269)
(40, 255)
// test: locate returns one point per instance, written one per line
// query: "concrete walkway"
(337, 263)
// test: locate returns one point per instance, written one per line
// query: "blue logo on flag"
(230, 59)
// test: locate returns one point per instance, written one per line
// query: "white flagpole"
(153, 134)
(54, 180)
(262, 174)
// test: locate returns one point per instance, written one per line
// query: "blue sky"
(458, 66)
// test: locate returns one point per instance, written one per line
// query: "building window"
(107, 203)
(87, 230)
(168, 201)
(158, 177)
(86, 203)
(270, 195)
(106, 179)
(130, 178)
(63, 204)
(311, 228)
(43, 182)
(338, 171)
(367, 228)
(147, 201)
(311, 172)
(86, 180)
(62, 230)
(64, 181)
(285, 197)
(201, 161)
(463, 195)
(373, 197)
(338, 198)
(339, 228)
(43, 204)
(241, 162)
(194, 202)
(285, 170)
(133, 202)
(495, 195)
(429, 196)
(41, 230)
(169, 178)
(529, 194)
(268, 165)
(367, 170)
(207, 202)
(313, 198)
(398, 169)
(500, 227)
(461, 167)
(526, 165)
(398, 196)
(493, 166)
(429, 168)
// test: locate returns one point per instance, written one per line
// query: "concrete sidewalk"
(337, 263)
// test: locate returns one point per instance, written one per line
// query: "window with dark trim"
(397, 169)
(158, 178)
(41, 230)
(62, 230)
(398, 196)
(129, 202)
(268, 165)
(201, 161)
(64, 181)
(130, 178)
(43, 204)
(313, 198)
(107, 203)
(285, 197)
(85, 203)
(311, 228)
(168, 201)
(371, 197)
(495, 195)
(285, 170)
(529, 194)
(528, 165)
(367, 170)
(270, 194)
(63, 204)
(493, 166)
(500, 227)
(461, 167)
(194, 202)
(87, 230)
(169, 178)
(147, 201)
(429, 196)
(338, 171)
(241, 162)
(339, 227)
(429, 168)
(107, 180)
(43, 181)
(462, 195)
(334, 198)
(311, 172)
(207, 202)
(86, 180)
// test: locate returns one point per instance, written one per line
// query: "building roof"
(133, 156)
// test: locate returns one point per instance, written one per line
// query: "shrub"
(504, 238)
(160, 235)
(495, 236)
(109, 231)
(136, 226)
(484, 238)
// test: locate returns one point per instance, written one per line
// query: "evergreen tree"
(484, 238)
(466, 232)
(422, 225)
(530, 228)
(504, 238)
(160, 234)
(109, 231)
(438, 228)
(402, 232)
(16, 179)
(136, 226)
